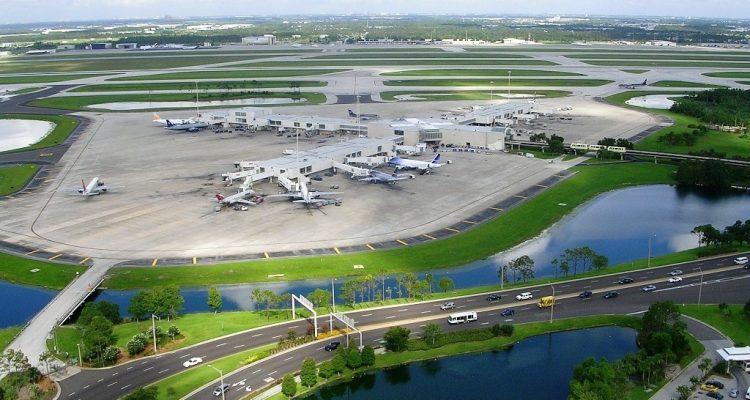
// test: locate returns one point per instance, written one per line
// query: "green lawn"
(479, 72)
(178, 386)
(684, 84)
(443, 55)
(736, 324)
(672, 56)
(190, 86)
(116, 64)
(383, 63)
(460, 95)
(7, 335)
(14, 178)
(510, 228)
(635, 71)
(80, 103)
(237, 74)
(729, 74)
(499, 82)
(660, 63)
(42, 78)
(731, 144)
(16, 269)
(64, 126)
(25, 90)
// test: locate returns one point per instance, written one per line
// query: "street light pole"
(80, 357)
(153, 330)
(552, 309)
(700, 287)
(649, 252)
(221, 376)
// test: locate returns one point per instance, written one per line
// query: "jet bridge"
(372, 161)
(355, 171)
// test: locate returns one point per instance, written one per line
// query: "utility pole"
(153, 330)
(552, 309)
(700, 287)
(648, 263)
(80, 357)
(221, 376)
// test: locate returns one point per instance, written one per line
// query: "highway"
(723, 282)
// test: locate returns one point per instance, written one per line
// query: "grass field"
(383, 63)
(236, 74)
(672, 56)
(503, 72)
(684, 84)
(117, 64)
(729, 74)
(513, 227)
(168, 53)
(665, 63)
(396, 50)
(497, 83)
(446, 95)
(392, 55)
(190, 86)
(537, 49)
(42, 78)
(13, 178)
(80, 103)
(64, 126)
(50, 275)
(7, 335)
(736, 324)
(25, 90)
(725, 142)
(635, 71)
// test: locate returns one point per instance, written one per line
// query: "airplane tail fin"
(156, 116)
(352, 114)
(645, 81)
(219, 197)
(436, 159)
(169, 124)
(83, 186)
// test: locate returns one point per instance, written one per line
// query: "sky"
(25, 11)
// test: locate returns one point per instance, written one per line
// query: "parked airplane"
(161, 121)
(633, 85)
(304, 195)
(404, 163)
(188, 127)
(382, 177)
(242, 197)
(362, 116)
(93, 188)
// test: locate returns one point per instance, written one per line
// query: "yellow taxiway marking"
(402, 242)
(58, 255)
(452, 230)
(429, 236)
(195, 260)
(369, 246)
(84, 260)
(32, 252)
(496, 209)
(469, 222)
(520, 197)
(546, 187)
(153, 263)
(265, 254)
(336, 249)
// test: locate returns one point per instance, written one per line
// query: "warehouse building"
(265, 40)
(126, 46)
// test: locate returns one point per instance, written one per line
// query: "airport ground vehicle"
(221, 389)
(447, 306)
(332, 346)
(462, 317)
(546, 301)
(524, 296)
(611, 295)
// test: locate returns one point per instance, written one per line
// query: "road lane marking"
(114, 373)
(72, 393)
(496, 209)
(129, 368)
(273, 372)
(402, 310)
(469, 222)
(56, 256)
(221, 344)
(86, 387)
(389, 317)
(276, 337)
(429, 236)
(366, 315)
(125, 387)
(112, 384)
(163, 371)
(153, 263)
(321, 347)
(32, 252)
(425, 312)
(84, 260)
(195, 260)
(100, 380)
(336, 249)
(402, 242)
(493, 314)
(259, 334)
(288, 358)
(265, 254)
(239, 345)
(255, 372)
(452, 230)
(148, 369)
(485, 323)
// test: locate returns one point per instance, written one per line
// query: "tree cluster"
(162, 301)
(577, 259)
(620, 142)
(711, 175)
(719, 106)
(737, 233)
(521, 268)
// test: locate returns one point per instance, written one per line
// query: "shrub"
(110, 354)
(136, 344)
(507, 330)
(368, 356)
(308, 374)
(495, 330)
(325, 370)
(288, 386)
(353, 358)
(173, 331)
(397, 338)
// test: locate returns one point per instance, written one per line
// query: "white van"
(747, 366)
(462, 317)
(747, 395)
(741, 260)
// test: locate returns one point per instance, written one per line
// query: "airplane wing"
(369, 179)
(323, 193)
(246, 202)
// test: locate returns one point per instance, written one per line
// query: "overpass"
(722, 281)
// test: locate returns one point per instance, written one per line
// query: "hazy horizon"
(46, 11)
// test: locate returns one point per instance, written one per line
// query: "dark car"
(585, 294)
(716, 384)
(317, 178)
(746, 266)
(715, 395)
(494, 297)
(508, 312)
(332, 346)
(221, 389)
(625, 281)
(611, 295)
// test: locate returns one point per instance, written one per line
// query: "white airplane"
(304, 195)
(241, 198)
(405, 163)
(188, 127)
(382, 177)
(95, 187)
(177, 121)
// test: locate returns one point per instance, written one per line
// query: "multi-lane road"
(723, 281)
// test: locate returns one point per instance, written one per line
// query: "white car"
(191, 362)
(524, 296)
(675, 279)
(447, 306)
(741, 260)
(676, 272)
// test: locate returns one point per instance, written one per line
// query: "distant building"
(265, 40)
(661, 43)
(66, 47)
(100, 46)
(126, 46)
(42, 51)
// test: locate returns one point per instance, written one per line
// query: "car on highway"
(675, 279)
(494, 297)
(221, 389)
(747, 266)
(524, 296)
(332, 346)
(191, 362)
(625, 280)
(675, 272)
(611, 295)
(586, 294)
(649, 288)
(741, 260)
(716, 384)
(508, 312)
(715, 395)
(448, 306)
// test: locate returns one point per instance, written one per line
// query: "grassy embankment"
(14, 178)
(729, 74)
(190, 86)
(735, 323)
(510, 228)
(383, 63)
(502, 72)
(228, 74)
(673, 56)
(684, 84)
(80, 103)
(392, 55)
(497, 83)
(50, 275)
(64, 126)
(7, 335)
(459, 95)
(660, 63)
(9, 80)
(635, 71)
(724, 142)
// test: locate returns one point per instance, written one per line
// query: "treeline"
(687, 138)
(718, 106)
(737, 233)
(711, 175)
